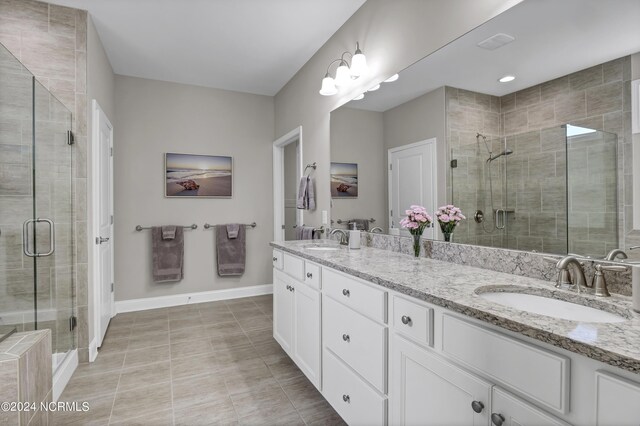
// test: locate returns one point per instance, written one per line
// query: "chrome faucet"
(376, 229)
(615, 253)
(600, 284)
(566, 264)
(344, 237)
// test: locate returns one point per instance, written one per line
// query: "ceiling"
(552, 39)
(253, 46)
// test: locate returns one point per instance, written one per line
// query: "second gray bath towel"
(231, 252)
(168, 255)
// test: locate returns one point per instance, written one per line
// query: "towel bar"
(140, 228)
(341, 221)
(252, 225)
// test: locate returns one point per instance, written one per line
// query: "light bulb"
(374, 88)
(392, 78)
(360, 96)
(343, 75)
(328, 86)
(506, 79)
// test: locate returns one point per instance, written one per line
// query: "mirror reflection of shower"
(479, 215)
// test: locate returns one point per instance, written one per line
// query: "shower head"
(505, 152)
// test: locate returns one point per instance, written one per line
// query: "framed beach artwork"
(206, 176)
(344, 180)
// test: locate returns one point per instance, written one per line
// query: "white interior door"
(103, 162)
(412, 180)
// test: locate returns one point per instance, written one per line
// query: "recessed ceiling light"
(506, 79)
(360, 96)
(392, 78)
(376, 87)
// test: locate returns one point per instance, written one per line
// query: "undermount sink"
(545, 302)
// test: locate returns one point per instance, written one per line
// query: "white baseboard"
(63, 374)
(144, 304)
(93, 349)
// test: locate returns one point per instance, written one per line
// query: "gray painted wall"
(393, 35)
(156, 117)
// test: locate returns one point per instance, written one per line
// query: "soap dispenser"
(354, 237)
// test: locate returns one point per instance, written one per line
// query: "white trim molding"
(63, 374)
(93, 349)
(146, 303)
(278, 180)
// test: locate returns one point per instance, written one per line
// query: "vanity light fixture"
(506, 79)
(360, 96)
(374, 88)
(345, 72)
(392, 78)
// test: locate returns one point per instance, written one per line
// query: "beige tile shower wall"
(467, 114)
(51, 41)
(597, 98)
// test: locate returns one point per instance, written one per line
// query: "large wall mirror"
(539, 162)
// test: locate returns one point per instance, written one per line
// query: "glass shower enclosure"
(36, 209)
(552, 190)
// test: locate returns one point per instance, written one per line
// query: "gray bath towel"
(306, 194)
(168, 232)
(231, 252)
(299, 232)
(307, 232)
(168, 255)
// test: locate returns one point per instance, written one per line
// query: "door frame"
(278, 180)
(434, 174)
(97, 112)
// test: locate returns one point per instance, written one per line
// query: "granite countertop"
(456, 287)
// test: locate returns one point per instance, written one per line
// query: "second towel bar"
(140, 227)
(248, 225)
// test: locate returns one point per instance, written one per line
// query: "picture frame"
(344, 180)
(198, 176)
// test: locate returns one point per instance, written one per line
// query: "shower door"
(36, 214)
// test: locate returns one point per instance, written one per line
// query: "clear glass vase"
(416, 244)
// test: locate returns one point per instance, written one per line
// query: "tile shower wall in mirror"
(559, 178)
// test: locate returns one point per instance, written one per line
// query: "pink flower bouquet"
(448, 217)
(416, 221)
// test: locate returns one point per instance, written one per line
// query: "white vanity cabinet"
(296, 317)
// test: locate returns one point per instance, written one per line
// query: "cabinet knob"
(477, 406)
(346, 338)
(497, 419)
(346, 292)
(309, 275)
(274, 259)
(288, 287)
(406, 319)
(346, 398)
(291, 288)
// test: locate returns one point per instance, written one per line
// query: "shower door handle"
(500, 218)
(25, 237)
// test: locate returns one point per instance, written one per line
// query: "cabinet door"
(507, 410)
(617, 400)
(282, 310)
(306, 324)
(428, 390)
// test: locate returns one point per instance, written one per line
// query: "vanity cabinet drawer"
(358, 341)
(617, 400)
(363, 298)
(277, 259)
(413, 320)
(538, 374)
(312, 274)
(294, 266)
(355, 401)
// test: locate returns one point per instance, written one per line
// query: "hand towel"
(232, 230)
(167, 255)
(168, 232)
(307, 232)
(301, 201)
(361, 224)
(311, 194)
(231, 252)
(298, 232)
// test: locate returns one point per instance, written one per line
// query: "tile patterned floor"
(201, 364)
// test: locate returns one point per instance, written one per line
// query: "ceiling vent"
(496, 41)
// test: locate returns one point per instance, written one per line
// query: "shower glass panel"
(592, 190)
(17, 271)
(36, 209)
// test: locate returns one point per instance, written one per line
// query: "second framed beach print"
(344, 180)
(188, 175)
